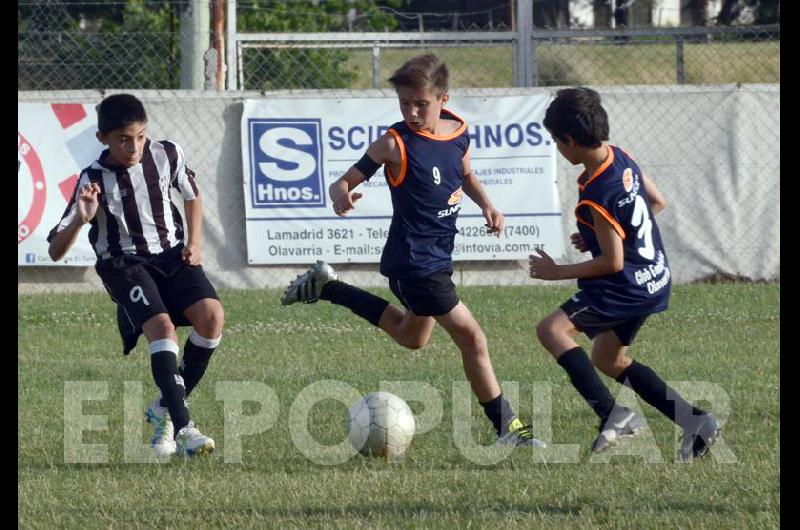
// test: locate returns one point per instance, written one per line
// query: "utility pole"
(194, 40)
(526, 61)
(219, 44)
(231, 51)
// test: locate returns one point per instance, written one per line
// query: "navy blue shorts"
(587, 318)
(431, 296)
(144, 286)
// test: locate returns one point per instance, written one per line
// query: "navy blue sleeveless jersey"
(426, 198)
(616, 190)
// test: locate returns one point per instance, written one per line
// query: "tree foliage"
(135, 43)
(312, 67)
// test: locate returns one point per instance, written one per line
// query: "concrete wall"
(713, 150)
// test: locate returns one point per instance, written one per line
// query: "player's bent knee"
(602, 365)
(609, 366)
(210, 319)
(545, 331)
(159, 327)
(470, 339)
(215, 320)
(415, 342)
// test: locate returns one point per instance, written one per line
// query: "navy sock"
(585, 379)
(499, 412)
(164, 365)
(654, 390)
(194, 364)
(362, 303)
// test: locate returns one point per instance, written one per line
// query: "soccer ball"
(380, 424)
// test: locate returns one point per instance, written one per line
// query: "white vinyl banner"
(293, 149)
(54, 143)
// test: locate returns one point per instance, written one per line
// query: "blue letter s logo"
(270, 144)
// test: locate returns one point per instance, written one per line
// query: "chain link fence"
(698, 107)
(59, 50)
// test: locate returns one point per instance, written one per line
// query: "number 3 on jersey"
(641, 219)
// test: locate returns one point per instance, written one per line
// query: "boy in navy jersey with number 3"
(427, 166)
(627, 279)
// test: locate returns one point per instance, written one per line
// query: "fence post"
(232, 63)
(526, 66)
(679, 62)
(376, 67)
(195, 26)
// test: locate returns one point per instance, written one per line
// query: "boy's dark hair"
(118, 111)
(577, 112)
(423, 71)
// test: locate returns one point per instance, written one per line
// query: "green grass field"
(727, 335)
(592, 64)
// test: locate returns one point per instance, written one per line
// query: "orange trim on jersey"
(590, 225)
(609, 160)
(443, 137)
(396, 181)
(602, 211)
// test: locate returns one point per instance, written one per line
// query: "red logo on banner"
(26, 153)
(67, 186)
(68, 113)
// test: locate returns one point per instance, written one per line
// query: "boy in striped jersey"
(149, 268)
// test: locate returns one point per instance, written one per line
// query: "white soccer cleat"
(191, 442)
(163, 439)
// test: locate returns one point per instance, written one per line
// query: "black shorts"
(590, 320)
(431, 296)
(144, 286)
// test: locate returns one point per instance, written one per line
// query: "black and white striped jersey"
(136, 214)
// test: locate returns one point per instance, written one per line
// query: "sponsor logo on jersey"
(455, 204)
(627, 180)
(456, 197)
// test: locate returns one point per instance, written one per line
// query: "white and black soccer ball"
(380, 424)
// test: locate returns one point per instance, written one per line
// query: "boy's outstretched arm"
(192, 253)
(495, 221)
(657, 200)
(86, 204)
(381, 151)
(610, 260)
(341, 191)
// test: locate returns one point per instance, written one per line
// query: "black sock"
(362, 303)
(499, 412)
(164, 364)
(195, 359)
(645, 382)
(585, 379)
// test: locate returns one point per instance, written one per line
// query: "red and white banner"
(54, 143)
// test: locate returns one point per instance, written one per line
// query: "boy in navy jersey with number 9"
(627, 279)
(427, 166)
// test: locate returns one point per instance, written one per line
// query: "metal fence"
(568, 57)
(59, 51)
(679, 139)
